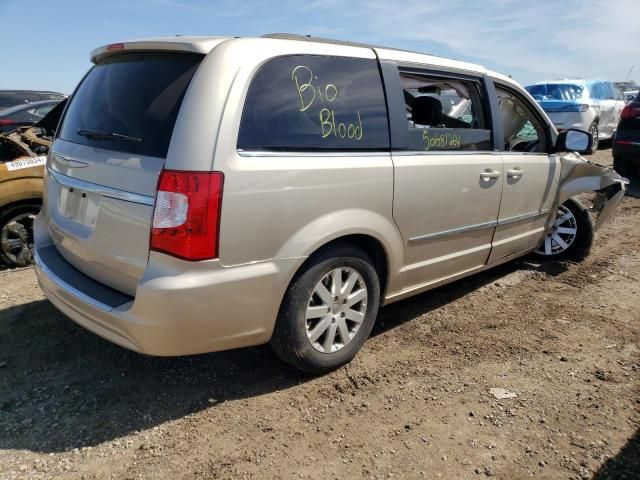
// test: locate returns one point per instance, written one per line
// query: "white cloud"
(547, 38)
(534, 40)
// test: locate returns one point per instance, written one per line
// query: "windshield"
(131, 95)
(556, 91)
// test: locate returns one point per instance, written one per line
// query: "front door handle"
(515, 172)
(490, 174)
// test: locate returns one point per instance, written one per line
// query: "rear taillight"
(186, 218)
(630, 111)
(6, 121)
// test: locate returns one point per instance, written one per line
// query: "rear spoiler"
(201, 45)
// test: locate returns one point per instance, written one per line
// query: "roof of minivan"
(204, 44)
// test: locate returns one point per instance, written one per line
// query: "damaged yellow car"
(23, 154)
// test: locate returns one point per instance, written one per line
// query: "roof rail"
(309, 38)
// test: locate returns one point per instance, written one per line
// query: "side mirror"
(573, 140)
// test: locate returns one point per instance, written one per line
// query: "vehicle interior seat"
(427, 111)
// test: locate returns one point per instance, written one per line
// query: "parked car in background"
(626, 143)
(590, 105)
(630, 95)
(11, 98)
(228, 192)
(629, 89)
(22, 158)
(25, 115)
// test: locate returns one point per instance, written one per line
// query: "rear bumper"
(567, 120)
(176, 310)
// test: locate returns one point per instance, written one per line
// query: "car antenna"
(629, 74)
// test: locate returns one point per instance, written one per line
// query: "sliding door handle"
(516, 172)
(490, 174)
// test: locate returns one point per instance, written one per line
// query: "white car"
(630, 95)
(590, 105)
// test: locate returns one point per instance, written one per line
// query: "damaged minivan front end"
(578, 175)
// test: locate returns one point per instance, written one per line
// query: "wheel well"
(369, 245)
(26, 201)
(597, 121)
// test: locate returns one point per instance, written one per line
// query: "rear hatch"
(105, 163)
(561, 112)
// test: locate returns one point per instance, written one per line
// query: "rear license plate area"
(78, 205)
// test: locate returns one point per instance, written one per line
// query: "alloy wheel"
(16, 238)
(561, 234)
(336, 309)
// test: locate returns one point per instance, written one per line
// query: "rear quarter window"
(308, 102)
(133, 94)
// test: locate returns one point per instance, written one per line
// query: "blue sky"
(46, 44)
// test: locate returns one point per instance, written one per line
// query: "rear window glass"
(309, 102)
(556, 91)
(133, 95)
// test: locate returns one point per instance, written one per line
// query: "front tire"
(16, 234)
(593, 130)
(328, 311)
(571, 234)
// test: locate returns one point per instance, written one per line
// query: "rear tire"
(16, 234)
(593, 130)
(328, 311)
(559, 242)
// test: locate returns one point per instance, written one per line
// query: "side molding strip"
(524, 216)
(454, 231)
(479, 226)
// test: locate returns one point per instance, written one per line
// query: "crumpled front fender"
(578, 175)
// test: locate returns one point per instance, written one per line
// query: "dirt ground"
(415, 403)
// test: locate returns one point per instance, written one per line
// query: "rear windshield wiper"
(97, 135)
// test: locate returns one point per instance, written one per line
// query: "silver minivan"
(209, 193)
